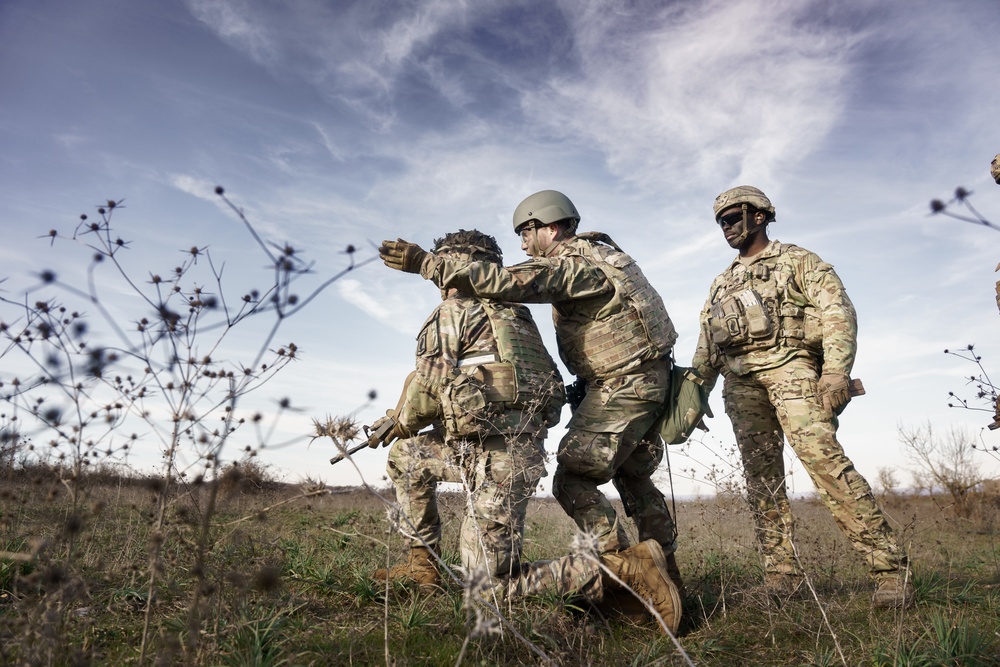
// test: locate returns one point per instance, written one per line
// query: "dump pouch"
(685, 408)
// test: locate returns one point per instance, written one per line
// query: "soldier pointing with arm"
(613, 332)
(780, 328)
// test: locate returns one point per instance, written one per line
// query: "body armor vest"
(524, 378)
(618, 342)
(760, 306)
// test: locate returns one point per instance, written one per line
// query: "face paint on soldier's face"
(733, 223)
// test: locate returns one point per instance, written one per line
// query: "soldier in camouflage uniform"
(483, 374)
(782, 331)
(631, 581)
(613, 332)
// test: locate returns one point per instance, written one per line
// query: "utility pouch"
(498, 381)
(759, 323)
(464, 406)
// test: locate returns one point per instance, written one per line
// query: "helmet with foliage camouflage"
(469, 245)
(546, 207)
(995, 169)
(743, 194)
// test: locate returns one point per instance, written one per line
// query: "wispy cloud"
(71, 140)
(695, 93)
(403, 310)
(202, 188)
(234, 21)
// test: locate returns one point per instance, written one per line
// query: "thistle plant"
(99, 367)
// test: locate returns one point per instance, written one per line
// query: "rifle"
(353, 450)
(373, 438)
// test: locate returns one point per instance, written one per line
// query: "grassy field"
(280, 576)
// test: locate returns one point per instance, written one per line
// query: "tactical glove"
(385, 430)
(402, 255)
(834, 390)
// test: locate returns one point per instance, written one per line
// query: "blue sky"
(336, 123)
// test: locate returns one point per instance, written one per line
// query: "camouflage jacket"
(609, 319)
(459, 368)
(803, 311)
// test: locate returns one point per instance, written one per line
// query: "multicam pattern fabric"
(603, 345)
(575, 577)
(536, 385)
(500, 474)
(609, 439)
(767, 405)
(604, 441)
(592, 289)
(771, 394)
(460, 331)
(805, 302)
(499, 458)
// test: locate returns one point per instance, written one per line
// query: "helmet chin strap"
(543, 252)
(746, 227)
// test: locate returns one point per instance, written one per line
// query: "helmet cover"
(743, 194)
(470, 245)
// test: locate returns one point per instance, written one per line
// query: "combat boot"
(893, 590)
(420, 568)
(643, 568)
(621, 603)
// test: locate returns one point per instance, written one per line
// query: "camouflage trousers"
(766, 406)
(572, 577)
(609, 439)
(499, 473)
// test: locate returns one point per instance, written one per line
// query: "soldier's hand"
(834, 390)
(375, 438)
(402, 255)
(391, 430)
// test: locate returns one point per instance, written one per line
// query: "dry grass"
(290, 585)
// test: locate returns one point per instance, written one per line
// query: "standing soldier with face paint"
(613, 332)
(781, 329)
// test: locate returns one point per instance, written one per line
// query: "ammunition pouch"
(501, 390)
(498, 381)
(742, 322)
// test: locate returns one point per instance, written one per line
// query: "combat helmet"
(546, 207)
(469, 245)
(743, 194)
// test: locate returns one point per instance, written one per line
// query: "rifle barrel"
(353, 450)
